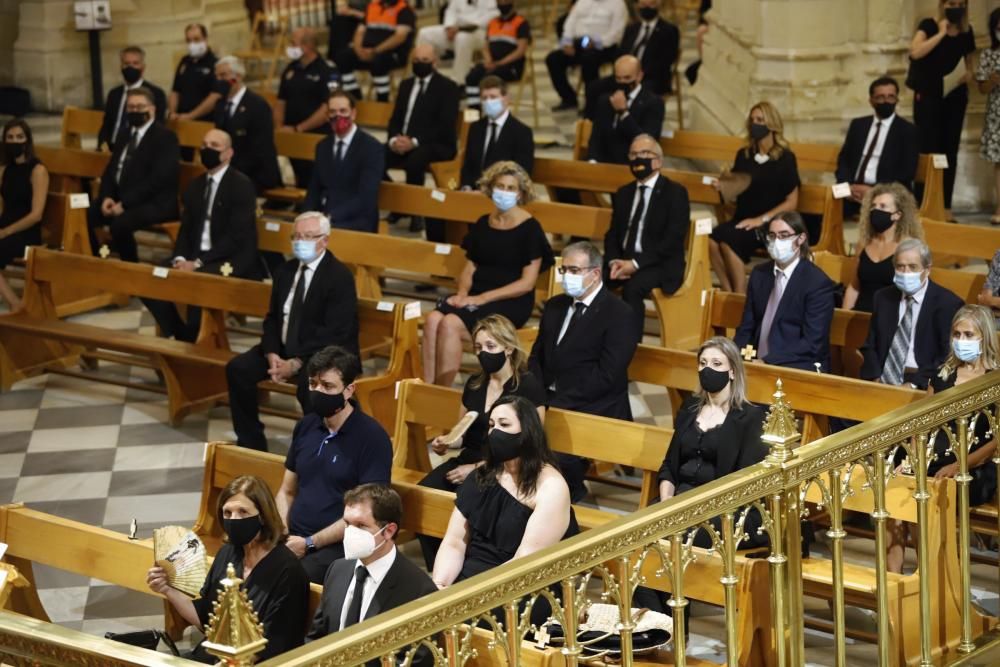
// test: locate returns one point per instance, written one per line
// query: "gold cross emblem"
(226, 269)
(104, 252)
(452, 184)
(748, 352)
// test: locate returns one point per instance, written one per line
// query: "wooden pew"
(78, 122)
(965, 284)
(966, 241)
(33, 340)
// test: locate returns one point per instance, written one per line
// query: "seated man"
(508, 37)
(461, 32)
(909, 336)
(349, 167)
(496, 136)
(589, 39)
(381, 44)
(789, 304)
(644, 247)
(335, 447)
(247, 118)
(218, 233)
(313, 304)
(139, 185)
(623, 115)
(584, 346)
(655, 42)
(878, 149)
(115, 124)
(422, 126)
(373, 577)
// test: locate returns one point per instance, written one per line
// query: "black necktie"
(860, 178)
(133, 141)
(641, 42)
(338, 151)
(354, 611)
(490, 139)
(633, 225)
(578, 308)
(206, 219)
(295, 312)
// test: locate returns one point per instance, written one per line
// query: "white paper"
(160, 272)
(707, 180)
(411, 310)
(3, 549)
(384, 306)
(442, 248)
(940, 161)
(841, 190)
(668, 134)
(702, 226)
(272, 226)
(471, 115)
(79, 200)
(437, 195)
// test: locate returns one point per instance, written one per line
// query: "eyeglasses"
(574, 270)
(780, 236)
(649, 154)
(307, 237)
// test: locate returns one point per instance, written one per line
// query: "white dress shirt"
(470, 12)
(649, 183)
(586, 301)
(206, 232)
(376, 573)
(345, 140)
(500, 120)
(603, 20)
(410, 103)
(121, 107)
(871, 170)
(645, 32)
(918, 300)
(233, 103)
(307, 275)
(629, 99)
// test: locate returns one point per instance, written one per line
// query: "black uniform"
(303, 89)
(193, 81)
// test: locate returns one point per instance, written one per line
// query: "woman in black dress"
(888, 215)
(937, 48)
(24, 182)
(272, 576)
(975, 351)
(774, 189)
(506, 251)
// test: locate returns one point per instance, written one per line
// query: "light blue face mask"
(908, 283)
(504, 200)
(573, 285)
(493, 107)
(966, 350)
(304, 250)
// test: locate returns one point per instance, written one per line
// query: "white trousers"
(465, 46)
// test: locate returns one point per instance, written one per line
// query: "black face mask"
(492, 362)
(221, 86)
(14, 151)
(503, 446)
(242, 531)
(326, 405)
(758, 131)
(131, 74)
(648, 13)
(713, 381)
(641, 167)
(881, 220)
(210, 157)
(954, 14)
(137, 118)
(625, 87)
(422, 69)
(505, 9)
(885, 109)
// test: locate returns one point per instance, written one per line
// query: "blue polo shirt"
(329, 464)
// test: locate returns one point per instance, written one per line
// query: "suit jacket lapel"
(339, 598)
(792, 287)
(589, 313)
(383, 594)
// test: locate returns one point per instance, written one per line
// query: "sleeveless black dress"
(16, 191)
(872, 276)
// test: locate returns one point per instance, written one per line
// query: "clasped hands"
(111, 208)
(621, 269)
(464, 301)
(281, 370)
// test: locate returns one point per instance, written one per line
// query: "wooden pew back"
(970, 241)
(77, 122)
(965, 284)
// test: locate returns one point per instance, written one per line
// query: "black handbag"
(148, 639)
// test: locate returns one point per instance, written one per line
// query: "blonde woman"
(506, 251)
(888, 215)
(774, 189)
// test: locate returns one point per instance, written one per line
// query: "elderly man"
(462, 32)
(218, 233)
(381, 44)
(624, 114)
(909, 335)
(115, 124)
(313, 304)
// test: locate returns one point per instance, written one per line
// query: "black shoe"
(416, 224)
(393, 218)
(566, 106)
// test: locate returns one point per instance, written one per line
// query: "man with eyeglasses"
(585, 343)
(789, 304)
(313, 305)
(644, 247)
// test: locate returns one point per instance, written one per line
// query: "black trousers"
(939, 128)
(123, 228)
(415, 164)
(589, 60)
(243, 372)
(380, 66)
(317, 563)
(342, 29)
(635, 290)
(172, 325)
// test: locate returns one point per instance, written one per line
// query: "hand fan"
(452, 436)
(732, 185)
(182, 556)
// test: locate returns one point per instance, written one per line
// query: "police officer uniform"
(303, 89)
(193, 82)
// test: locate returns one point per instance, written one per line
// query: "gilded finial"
(234, 633)
(780, 431)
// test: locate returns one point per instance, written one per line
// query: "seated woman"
(24, 183)
(975, 351)
(888, 215)
(504, 373)
(517, 503)
(506, 252)
(273, 578)
(773, 189)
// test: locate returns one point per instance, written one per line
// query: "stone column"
(814, 60)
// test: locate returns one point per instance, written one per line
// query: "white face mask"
(573, 285)
(197, 49)
(293, 52)
(359, 543)
(782, 250)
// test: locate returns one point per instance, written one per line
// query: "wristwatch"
(310, 545)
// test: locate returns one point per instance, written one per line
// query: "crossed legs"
(444, 336)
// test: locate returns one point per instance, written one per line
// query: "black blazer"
(233, 229)
(932, 335)
(663, 234)
(149, 180)
(348, 193)
(590, 367)
(742, 428)
(112, 105)
(800, 332)
(659, 56)
(404, 582)
(610, 142)
(330, 315)
(898, 162)
(252, 130)
(516, 142)
(434, 116)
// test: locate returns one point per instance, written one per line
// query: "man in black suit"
(313, 305)
(655, 42)
(247, 118)
(218, 233)
(789, 304)
(387, 578)
(496, 136)
(422, 126)
(878, 149)
(623, 115)
(585, 343)
(115, 124)
(139, 185)
(644, 247)
(909, 335)
(349, 167)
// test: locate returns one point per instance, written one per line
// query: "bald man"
(218, 232)
(624, 114)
